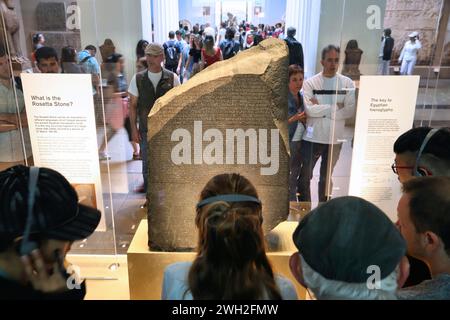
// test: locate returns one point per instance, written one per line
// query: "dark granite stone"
(247, 92)
(51, 16)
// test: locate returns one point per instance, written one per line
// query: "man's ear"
(432, 241)
(295, 265)
(403, 272)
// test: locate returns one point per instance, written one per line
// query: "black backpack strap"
(85, 59)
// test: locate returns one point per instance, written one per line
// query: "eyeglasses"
(395, 168)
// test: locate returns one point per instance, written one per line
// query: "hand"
(24, 121)
(178, 70)
(301, 116)
(314, 100)
(42, 280)
(135, 136)
(340, 105)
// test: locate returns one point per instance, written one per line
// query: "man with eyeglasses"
(433, 161)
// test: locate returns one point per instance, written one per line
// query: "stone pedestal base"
(146, 268)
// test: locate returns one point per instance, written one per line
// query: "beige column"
(304, 15)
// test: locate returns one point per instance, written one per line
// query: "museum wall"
(117, 20)
(406, 16)
(48, 18)
(192, 10)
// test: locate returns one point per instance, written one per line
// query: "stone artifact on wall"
(51, 22)
(352, 60)
(51, 16)
(11, 26)
(58, 40)
(232, 20)
(107, 49)
(231, 117)
(406, 16)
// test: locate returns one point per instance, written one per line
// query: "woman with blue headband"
(231, 261)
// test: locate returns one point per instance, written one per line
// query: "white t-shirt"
(154, 78)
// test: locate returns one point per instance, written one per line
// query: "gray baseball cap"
(343, 237)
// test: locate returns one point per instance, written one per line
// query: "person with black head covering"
(349, 249)
(40, 218)
(295, 48)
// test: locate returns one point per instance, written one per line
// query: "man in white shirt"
(408, 57)
(145, 88)
(329, 100)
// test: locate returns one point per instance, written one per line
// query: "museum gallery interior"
(225, 150)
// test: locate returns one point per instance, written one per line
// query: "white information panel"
(61, 120)
(386, 107)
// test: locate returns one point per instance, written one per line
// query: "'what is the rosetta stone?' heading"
(46, 101)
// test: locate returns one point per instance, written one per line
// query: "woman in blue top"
(231, 262)
(296, 120)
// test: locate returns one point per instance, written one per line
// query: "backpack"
(172, 55)
(82, 64)
(228, 50)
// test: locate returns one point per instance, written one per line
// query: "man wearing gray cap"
(349, 249)
(145, 88)
(408, 57)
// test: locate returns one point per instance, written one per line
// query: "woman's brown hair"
(231, 262)
(294, 69)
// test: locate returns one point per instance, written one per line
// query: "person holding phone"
(296, 121)
(40, 218)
